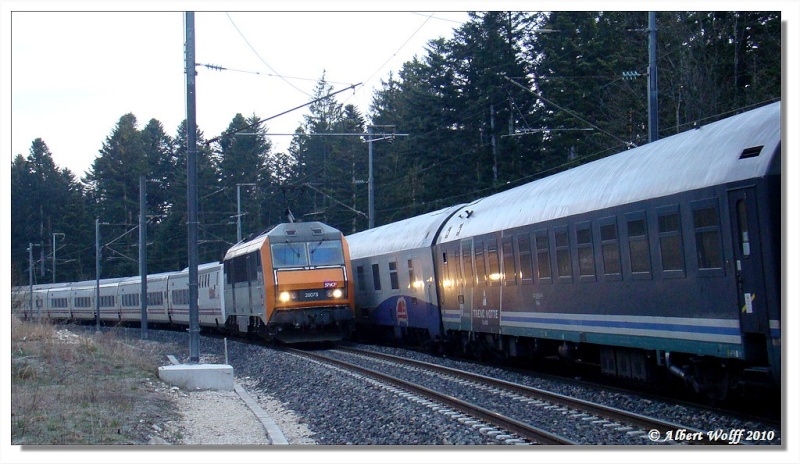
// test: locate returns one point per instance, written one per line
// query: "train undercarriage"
(714, 379)
(309, 325)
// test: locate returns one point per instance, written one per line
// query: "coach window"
(509, 263)
(525, 264)
(458, 271)
(707, 236)
(480, 264)
(376, 277)
(412, 278)
(638, 245)
(362, 285)
(543, 257)
(583, 236)
(563, 259)
(609, 243)
(393, 275)
(741, 218)
(466, 255)
(670, 245)
(154, 299)
(493, 261)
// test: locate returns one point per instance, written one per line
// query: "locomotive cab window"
(243, 268)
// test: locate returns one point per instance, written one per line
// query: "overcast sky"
(74, 74)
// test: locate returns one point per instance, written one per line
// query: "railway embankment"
(102, 388)
(68, 389)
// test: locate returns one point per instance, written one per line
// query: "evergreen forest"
(510, 98)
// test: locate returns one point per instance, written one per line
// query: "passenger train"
(291, 284)
(662, 258)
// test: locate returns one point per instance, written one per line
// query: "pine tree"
(243, 160)
(314, 156)
(46, 200)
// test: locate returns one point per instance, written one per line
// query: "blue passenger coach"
(665, 257)
(396, 289)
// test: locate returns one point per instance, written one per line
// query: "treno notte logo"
(402, 311)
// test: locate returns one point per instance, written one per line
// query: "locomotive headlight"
(336, 293)
(285, 297)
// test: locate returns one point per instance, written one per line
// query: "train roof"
(286, 232)
(717, 153)
(416, 232)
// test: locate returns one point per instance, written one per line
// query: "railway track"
(555, 410)
(464, 411)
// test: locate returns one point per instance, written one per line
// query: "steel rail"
(664, 428)
(521, 429)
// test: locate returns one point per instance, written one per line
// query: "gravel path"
(211, 417)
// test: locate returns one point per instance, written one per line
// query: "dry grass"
(77, 390)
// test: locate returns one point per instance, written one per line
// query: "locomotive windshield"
(326, 253)
(289, 255)
(299, 254)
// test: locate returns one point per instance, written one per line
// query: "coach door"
(748, 260)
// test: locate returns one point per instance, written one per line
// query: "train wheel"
(712, 381)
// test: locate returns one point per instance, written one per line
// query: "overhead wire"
(262, 59)
(244, 71)
(397, 51)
